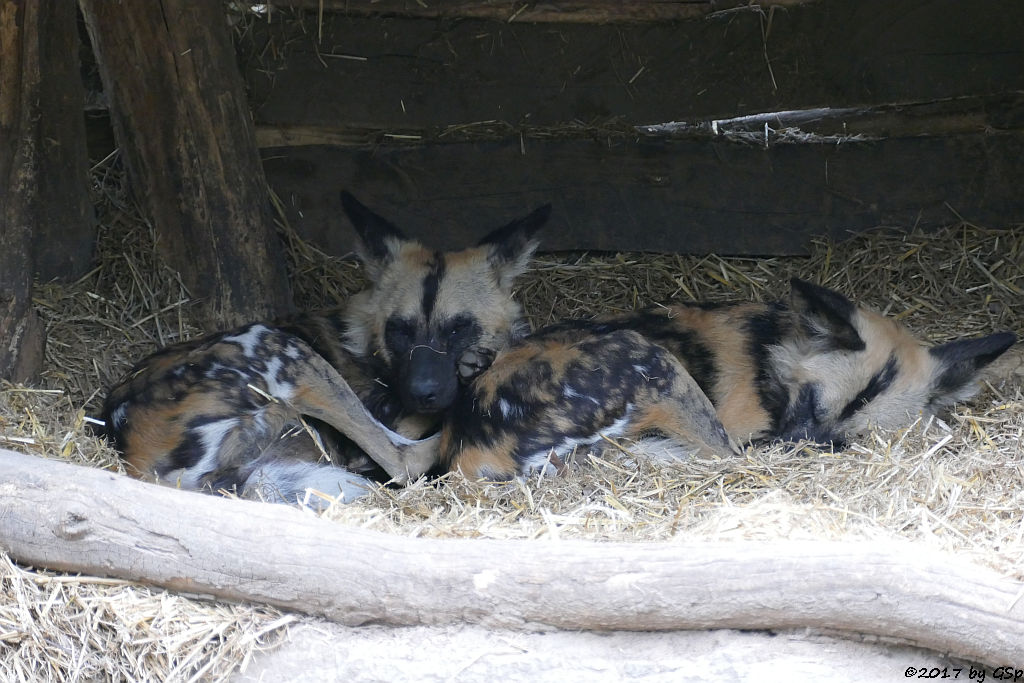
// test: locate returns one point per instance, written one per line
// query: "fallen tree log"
(80, 519)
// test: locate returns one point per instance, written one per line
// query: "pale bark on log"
(80, 519)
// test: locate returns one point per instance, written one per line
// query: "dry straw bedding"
(956, 485)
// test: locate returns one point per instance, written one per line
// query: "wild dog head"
(431, 318)
(840, 369)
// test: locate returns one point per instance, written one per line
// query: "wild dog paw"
(474, 361)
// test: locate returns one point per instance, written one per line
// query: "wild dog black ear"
(825, 315)
(511, 247)
(962, 359)
(379, 239)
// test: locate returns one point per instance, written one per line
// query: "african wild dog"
(254, 409)
(562, 388)
(817, 368)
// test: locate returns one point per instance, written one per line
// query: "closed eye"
(399, 334)
(461, 330)
(878, 383)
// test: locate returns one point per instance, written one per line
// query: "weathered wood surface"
(66, 227)
(561, 11)
(651, 194)
(394, 73)
(80, 519)
(983, 114)
(933, 86)
(21, 332)
(184, 127)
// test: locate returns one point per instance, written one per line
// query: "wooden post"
(66, 227)
(82, 519)
(21, 333)
(183, 124)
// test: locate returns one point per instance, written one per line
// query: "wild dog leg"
(684, 413)
(321, 392)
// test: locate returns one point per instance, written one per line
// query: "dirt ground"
(321, 651)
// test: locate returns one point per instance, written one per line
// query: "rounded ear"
(825, 316)
(378, 240)
(961, 360)
(511, 247)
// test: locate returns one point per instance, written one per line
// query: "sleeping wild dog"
(258, 409)
(818, 368)
(568, 386)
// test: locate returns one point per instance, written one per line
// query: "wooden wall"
(451, 117)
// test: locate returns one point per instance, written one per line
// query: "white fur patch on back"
(249, 339)
(277, 388)
(509, 410)
(569, 392)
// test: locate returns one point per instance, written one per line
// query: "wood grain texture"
(656, 194)
(562, 11)
(183, 124)
(65, 231)
(22, 335)
(79, 519)
(396, 72)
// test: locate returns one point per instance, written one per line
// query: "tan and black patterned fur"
(260, 408)
(562, 388)
(816, 367)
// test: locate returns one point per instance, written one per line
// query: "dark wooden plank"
(561, 11)
(1003, 112)
(401, 73)
(688, 195)
(184, 127)
(66, 228)
(22, 337)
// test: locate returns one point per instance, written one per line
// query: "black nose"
(424, 392)
(430, 380)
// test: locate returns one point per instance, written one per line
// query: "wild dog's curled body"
(221, 412)
(817, 367)
(224, 411)
(561, 388)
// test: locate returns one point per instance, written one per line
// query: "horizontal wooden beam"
(560, 11)
(396, 73)
(656, 194)
(994, 113)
